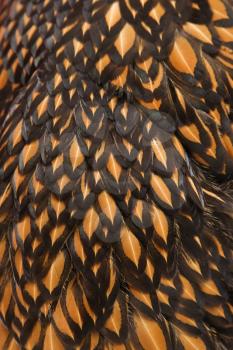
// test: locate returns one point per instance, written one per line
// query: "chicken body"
(116, 165)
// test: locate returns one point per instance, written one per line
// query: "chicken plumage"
(116, 164)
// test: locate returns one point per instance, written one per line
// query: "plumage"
(116, 162)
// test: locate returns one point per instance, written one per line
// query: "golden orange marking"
(56, 233)
(76, 156)
(185, 319)
(190, 132)
(23, 228)
(31, 31)
(125, 40)
(113, 15)
(102, 63)
(3, 248)
(149, 333)
(78, 246)
(112, 277)
(88, 308)
(114, 167)
(216, 116)
(218, 9)
(155, 83)
(163, 298)
(42, 219)
(5, 299)
(159, 151)
(68, 28)
(227, 142)
(142, 296)
(154, 104)
(183, 57)
(130, 245)
(33, 290)
(114, 321)
(216, 310)
(121, 79)
(160, 222)
(61, 322)
(6, 194)
(200, 159)
(149, 270)
(199, 31)
(4, 333)
(77, 46)
(211, 73)
(29, 151)
(145, 65)
(209, 287)
(72, 306)
(90, 222)
(3, 78)
(188, 291)
(51, 340)
(189, 342)
(108, 206)
(34, 336)
(57, 205)
(85, 27)
(157, 12)
(161, 189)
(52, 279)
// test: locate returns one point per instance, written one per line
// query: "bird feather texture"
(116, 175)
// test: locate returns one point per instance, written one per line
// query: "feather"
(116, 164)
